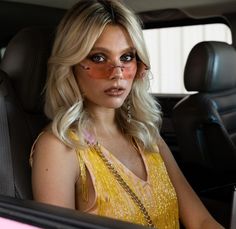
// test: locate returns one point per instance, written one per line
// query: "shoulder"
(168, 159)
(48, 141)
(50, 152)
(162, 147)
(55, 170)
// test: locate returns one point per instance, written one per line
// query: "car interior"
(207, 118)
(199, 128)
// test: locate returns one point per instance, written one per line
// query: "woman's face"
(105, 77)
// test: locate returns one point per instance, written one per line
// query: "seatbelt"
(6, 168)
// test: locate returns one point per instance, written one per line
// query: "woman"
(102, 153)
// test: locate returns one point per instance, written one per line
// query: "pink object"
(9, 224)
(89, 138)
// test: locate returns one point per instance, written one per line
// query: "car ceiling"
(197, 7)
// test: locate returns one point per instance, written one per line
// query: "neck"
(103, 120)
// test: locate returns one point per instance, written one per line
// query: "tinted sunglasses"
(104, 70)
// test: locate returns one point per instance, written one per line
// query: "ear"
(142, 70)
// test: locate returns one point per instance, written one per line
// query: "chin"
(115, 104)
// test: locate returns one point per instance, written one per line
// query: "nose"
(117, 72)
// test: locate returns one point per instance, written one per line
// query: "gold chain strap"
(125, 186)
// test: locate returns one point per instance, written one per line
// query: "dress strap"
(83, 175)
(32, 149)
(82, 167)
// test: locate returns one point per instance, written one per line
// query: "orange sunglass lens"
(103, 71)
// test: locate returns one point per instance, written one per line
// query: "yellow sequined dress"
(156, 193)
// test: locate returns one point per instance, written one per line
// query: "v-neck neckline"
(108, 153)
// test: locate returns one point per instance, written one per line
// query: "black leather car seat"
(205, 121)
(23, 77)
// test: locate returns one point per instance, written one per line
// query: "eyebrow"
(101, 49)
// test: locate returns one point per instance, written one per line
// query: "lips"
(114, 91)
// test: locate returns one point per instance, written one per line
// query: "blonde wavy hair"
(75, 37)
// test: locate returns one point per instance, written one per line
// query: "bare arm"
(54, 172)
(193, 213)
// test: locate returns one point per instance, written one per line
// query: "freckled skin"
(113, 41)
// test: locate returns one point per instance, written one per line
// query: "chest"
(108, 198)
(128, 155)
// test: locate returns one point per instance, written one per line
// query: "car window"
(168, 50)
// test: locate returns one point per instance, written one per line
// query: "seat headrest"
(210, 67)
(25, 62)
